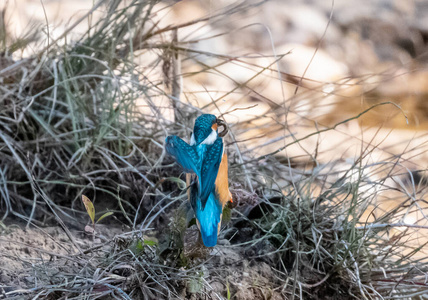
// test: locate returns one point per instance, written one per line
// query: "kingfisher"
(205, 161)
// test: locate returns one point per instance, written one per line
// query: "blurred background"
(318, 84)
(322, 61)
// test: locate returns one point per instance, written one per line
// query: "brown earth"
(31, 257)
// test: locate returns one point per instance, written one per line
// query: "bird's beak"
(221, 123)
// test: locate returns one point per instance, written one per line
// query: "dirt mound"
(26, 251)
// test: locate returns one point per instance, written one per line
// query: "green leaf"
(139, 246)
(136, 247)
(150, 243)
(89, 208)
(109, 213)
(229, 295)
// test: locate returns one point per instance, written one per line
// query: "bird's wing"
(184, 154)
(193, 192)
(209, 169)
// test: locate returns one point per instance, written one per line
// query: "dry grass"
(85, 118)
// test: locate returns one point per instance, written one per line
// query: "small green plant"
(229, 295)
(90, 209)
(137, 246)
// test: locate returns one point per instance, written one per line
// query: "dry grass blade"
(89, 117)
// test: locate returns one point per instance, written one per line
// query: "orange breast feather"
(222, 182)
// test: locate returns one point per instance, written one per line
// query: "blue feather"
(209, 169)
(209, 218)
(184, 154)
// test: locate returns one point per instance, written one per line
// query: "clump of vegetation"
(325, 244)
(70, 125)
(85, 118)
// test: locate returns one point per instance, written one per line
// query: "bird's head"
(206, 128)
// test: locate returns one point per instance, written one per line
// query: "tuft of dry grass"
(86, 118)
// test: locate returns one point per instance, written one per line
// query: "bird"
(205, 161)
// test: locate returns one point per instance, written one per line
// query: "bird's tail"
(209, 220)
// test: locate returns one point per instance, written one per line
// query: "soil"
(24, 251)
(29, 255)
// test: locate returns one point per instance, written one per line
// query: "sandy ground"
(24, 251)
(33, 257)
